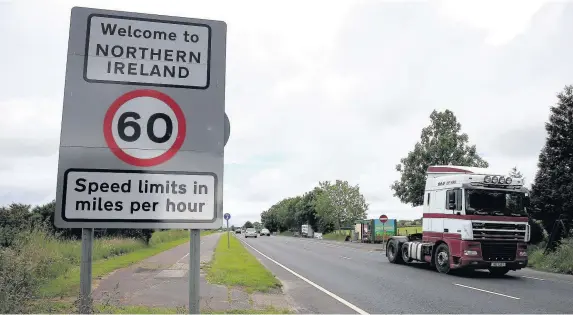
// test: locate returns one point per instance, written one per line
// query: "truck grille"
(498, 251)
(499, 231)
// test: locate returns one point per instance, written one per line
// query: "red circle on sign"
(383, 218)
(122, 155)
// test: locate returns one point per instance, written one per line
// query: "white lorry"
(473, 219)
(306, 231)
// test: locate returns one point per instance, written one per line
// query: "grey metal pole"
(228, 236)
(194, 269)
(383, 234)
(86, 272)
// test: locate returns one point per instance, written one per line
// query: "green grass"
(407, 230)
(236, 267)
(68, 307)
(286, 233)
(561, 260)
(336, 235)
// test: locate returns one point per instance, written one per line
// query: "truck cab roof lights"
(495, 180)
(487, 179)
(508, 180)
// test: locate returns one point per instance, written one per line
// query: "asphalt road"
(357, 278)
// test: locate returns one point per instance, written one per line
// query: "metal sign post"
(85, 306)
(143, 129)
(227, 216)
(194, 271)
(383, 219)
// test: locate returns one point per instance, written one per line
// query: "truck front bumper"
(478, 263)
(472, 258)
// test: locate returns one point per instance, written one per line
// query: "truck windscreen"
(494, 202)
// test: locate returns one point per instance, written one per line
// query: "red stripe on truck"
(474, 217)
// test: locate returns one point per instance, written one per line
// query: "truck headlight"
(522, 254)
(470, 252)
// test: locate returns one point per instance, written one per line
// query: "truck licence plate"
(498, 264)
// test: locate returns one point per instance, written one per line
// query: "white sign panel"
(137, 50)
(139, 196)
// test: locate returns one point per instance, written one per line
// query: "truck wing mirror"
(452, 206)
(526, 202)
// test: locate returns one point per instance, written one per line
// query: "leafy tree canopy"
(441, 143)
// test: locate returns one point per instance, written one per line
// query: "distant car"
(265, 232)
(237, 231)
(251, 232)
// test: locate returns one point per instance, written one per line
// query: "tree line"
(327, 207)
(18, 218)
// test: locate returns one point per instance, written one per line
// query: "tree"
(515, 173)
(340, 204)
(257, 226)
(441, 143)
(552, 191)
(248, 225)
(269, 219)
(232, 228)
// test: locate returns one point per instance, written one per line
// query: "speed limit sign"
(144, 127)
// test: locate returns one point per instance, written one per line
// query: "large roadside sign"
(143, 123)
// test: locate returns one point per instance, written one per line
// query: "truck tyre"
(442, 258)
(405, 253)
(498, 272)
(393, 252)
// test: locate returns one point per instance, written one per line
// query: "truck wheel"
(498, 272)
(442, 258)
(405, 253)
(393, 252)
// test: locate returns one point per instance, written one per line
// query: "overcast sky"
(316, 90)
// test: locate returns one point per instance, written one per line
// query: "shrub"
(560, 260)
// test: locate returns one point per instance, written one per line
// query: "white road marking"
(486, 291)
(345, 257)
(180, 259)
(533, 278)
(332, 295)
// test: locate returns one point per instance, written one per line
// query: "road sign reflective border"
(119, 152)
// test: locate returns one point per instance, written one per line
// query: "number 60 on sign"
(144, 127)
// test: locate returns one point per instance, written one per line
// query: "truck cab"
(472, 219)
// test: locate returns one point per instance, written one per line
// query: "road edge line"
(332, 295)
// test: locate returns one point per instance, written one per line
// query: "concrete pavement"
(359, 275)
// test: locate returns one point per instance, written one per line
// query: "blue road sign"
(227, 216)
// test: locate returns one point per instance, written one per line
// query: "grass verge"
(337, 235)
(235, 266)
(407, 230)
(561, 260)
(41, 267)
(68, 307)
(68, 284)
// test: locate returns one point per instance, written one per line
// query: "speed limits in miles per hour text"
(139, 196)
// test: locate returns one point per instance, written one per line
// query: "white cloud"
(318, 90)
